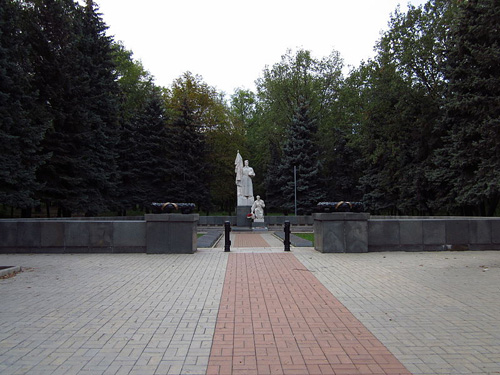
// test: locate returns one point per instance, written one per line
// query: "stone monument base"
(259, 224)
(171, 233)
(241, 216)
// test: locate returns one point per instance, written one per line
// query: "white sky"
(229, 42)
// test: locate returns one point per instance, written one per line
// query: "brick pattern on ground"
(275, 317)
(110, 314)
(249, 240)
(437, 312)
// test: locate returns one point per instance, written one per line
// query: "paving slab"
(436, 312)
(109, 314)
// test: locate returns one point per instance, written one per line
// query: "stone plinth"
(341, 232)
(241, 216)
(171, 233)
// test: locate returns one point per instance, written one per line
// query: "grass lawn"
(306, 236)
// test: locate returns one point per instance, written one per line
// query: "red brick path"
(275, 317)
(249, 240)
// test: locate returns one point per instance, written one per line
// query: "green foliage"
(195, 111)
(467, 166)
(300, 152)
(413, 131)
(22, 122)
(75, 77)
(401, 94)
(142, 155)
(298, 80)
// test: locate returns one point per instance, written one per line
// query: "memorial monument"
(244, 191)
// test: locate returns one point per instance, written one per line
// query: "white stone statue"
(238, 169)
(244, 186)
(258, 208)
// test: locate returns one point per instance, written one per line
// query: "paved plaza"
(427, 313)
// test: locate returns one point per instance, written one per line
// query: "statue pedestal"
(259, 224)
(241, 216)
(245, 201)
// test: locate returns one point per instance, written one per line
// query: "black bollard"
(286, 242)
(227, 230)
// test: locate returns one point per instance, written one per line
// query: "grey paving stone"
(438, 313)
(108, 314)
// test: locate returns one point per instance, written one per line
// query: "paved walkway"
(276, 318)
(437, 313)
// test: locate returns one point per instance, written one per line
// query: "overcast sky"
(229, 42)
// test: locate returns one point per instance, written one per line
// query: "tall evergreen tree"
(22, 123)
(142, 156)
(468, 166)
(76, 77)
(300, 152)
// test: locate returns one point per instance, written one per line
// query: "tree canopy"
(85, 130)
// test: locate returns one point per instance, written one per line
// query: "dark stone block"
(434, 232)
(480, 231)
(171, 233)
(356, 236)
(129, 234)
(77, 233)
(383, 232)
(8, 234)
(411, 233)
(100, 250)
(101, 234)
(495, 231)
(340, 232)
(52, 234)
(333, 238)
(76, 250)
(129, 249)
(457, 232)
(241, 216)
(29, 234)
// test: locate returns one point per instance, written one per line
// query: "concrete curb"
(294, 240)
(209, 239)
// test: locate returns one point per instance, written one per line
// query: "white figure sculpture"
(244, 186)
(238, 169)
(258, 208)
(246, 181)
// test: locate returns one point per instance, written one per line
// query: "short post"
(227, 242)
(286, 242)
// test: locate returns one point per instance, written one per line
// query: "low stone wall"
(433, 234)
(351, 232)
(155, 233)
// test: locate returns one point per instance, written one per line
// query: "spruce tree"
(188, 176)
(468, 166)
(75, 77)
(142, 156)
(22, 125)
(300, 151)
